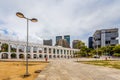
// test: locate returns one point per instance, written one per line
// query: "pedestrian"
(105, 58)
(46, 59)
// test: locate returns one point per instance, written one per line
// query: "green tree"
(103, 49)
(107, 50)
(82, 52)
(13, 49)
(94, 52)
(116, 49)
(79, 45)
(4, 48)
(116, 55)
(83, 49)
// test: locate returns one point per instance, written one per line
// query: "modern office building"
(58, 38)
(90, 42)
(47, 42)
(105, 37)
(75, 42)
(63, 43)
(67, 37)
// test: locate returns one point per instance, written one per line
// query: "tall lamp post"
(97, 48)
(20, 15)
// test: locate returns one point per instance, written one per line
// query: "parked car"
(96, 56)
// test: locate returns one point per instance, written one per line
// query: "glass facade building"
(105, 37)
(90, 42)
(58, 38)
(67, 38)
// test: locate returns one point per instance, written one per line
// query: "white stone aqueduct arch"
(36, 51)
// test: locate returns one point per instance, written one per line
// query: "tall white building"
(105, 37)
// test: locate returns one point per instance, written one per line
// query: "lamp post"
(97, 48)
(20, 15)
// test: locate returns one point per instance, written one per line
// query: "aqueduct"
(17, 50)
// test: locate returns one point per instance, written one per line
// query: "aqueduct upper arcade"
(17, 50)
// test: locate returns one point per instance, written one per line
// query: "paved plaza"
(71, 70)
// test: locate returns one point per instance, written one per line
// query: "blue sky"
(77, 18)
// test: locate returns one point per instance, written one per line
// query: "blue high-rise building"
(90, 42)
(58, 38)
(67, 38)
(63, 41)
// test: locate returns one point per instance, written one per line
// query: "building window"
(67, 51)
(34, 49)
(107, 42)
(40, 50)
(113, 38)
(64, 51)
(13, 48)
(45, 50)
(29, 48)
(21, 48)
(54, 51)
(57, 51)
(61, 51)
(49, 50)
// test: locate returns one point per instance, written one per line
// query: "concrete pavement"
(70, 70)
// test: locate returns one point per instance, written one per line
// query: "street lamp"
(20, 15)
(97, 47)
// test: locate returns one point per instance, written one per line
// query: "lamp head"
(20, 15)
(34, 20)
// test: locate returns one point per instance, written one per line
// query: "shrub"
(116, 54)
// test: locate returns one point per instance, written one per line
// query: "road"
(70, 70)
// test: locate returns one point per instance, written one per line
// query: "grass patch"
(106, 63)
(14, 70)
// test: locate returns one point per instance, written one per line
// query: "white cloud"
(78, 18)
